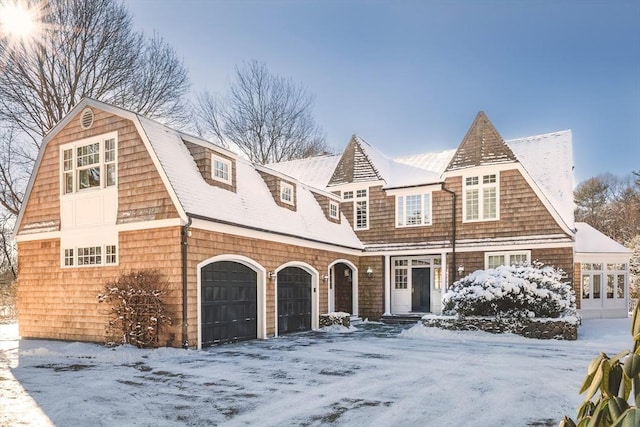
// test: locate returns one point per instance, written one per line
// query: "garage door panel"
(294, 300)
(229, 303)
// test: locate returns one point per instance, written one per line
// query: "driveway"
(374, 375)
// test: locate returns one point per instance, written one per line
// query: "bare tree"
(610, 204)
(88, 49)
(82, 49)
(268, 117)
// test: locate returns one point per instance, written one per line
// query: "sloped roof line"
(481, 145)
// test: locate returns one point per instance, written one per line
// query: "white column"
(387, 284)
(443, 272)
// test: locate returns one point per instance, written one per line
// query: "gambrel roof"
(251, 205)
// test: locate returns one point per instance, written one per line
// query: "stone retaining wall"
(559, 329)
(337, 318)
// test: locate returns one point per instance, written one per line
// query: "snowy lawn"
(375, 375)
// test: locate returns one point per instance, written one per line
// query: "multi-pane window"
(110, 161)
(89, 165)
(90, 256)
(496, 259)
(480, 197)
(616, 279)
(347, 195)
(333, 210)
(110, 254)
(401, 274)
(221, 169)
(591, 281)
(68, 257)
(361, 210)
(413, 210)
(286, 192)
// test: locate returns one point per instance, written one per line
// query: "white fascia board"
(352, 186)
(599, 257)
(466, 249)
(417, 189)
(132, 226)
(239, 231)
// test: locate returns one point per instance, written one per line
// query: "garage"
(229, 303)
(294, 300)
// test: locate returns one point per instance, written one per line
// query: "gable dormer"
(217, 168)
(282, 190)
(330, 206)
(354, 165)
(482, 145)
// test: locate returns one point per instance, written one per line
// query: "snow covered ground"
(374, 375)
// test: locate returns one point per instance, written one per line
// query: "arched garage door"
(229, 304)
(294, 300)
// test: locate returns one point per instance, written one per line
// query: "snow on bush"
(521, 291)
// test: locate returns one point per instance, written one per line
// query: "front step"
(402, 318)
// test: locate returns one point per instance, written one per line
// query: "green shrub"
(137, 308)
(609, 384)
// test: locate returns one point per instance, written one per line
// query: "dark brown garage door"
(294, 300)
(229, 303)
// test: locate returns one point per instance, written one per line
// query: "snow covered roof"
(252, 204)
(435, 162)
(590, 240)
(548, 159)
(313, 171)
(396, 174)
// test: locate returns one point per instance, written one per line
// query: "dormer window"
(334, 210)
(221, 169)
(89, 164)
(286, 192)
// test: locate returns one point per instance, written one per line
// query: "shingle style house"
(254, 251)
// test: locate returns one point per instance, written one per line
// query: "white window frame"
(287, 193)
(481, 186)
(70, 169)
(359, 198)
(426, 206)
(507, 256)
(109, 256)
(229, 169)
(334, 210)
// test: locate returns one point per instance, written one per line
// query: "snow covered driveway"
(378, 375)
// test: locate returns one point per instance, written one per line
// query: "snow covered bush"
(137, 308)
(527, 290)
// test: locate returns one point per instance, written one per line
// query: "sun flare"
(17, 20)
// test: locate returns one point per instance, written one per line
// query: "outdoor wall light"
(347, 272)
(272, 275)
(461, 269)
(369, 271)
(326, 277)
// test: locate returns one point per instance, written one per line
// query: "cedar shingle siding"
(61, 303)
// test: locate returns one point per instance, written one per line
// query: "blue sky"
(410, 76)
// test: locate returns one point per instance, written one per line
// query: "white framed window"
(90, 256)
(334, 210)
(496, 259)
(481, 198)
(361, 210)
(89, 164)
(401, 274)
(347, 195)
(413, 210)
(221, 169)
(286, 193)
